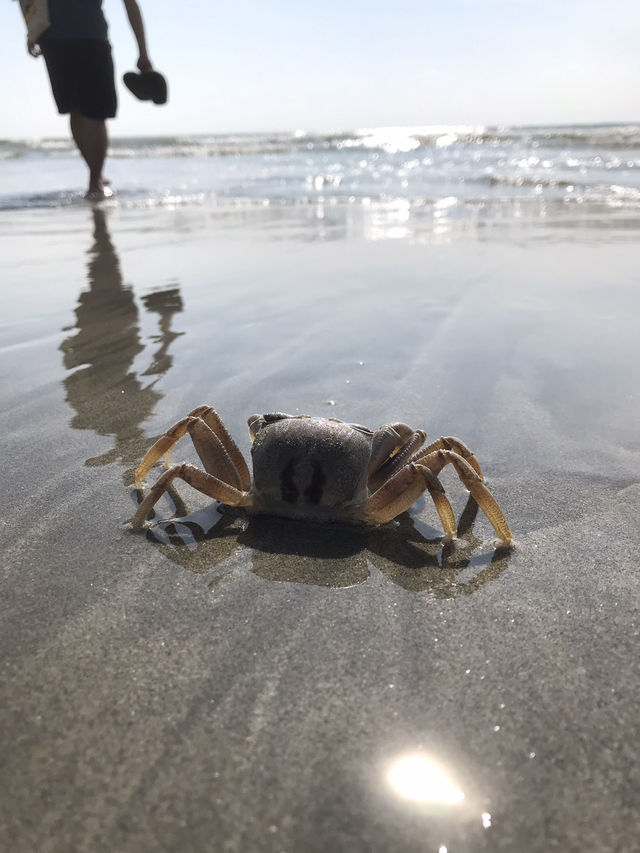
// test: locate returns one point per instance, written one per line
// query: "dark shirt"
(76, 19)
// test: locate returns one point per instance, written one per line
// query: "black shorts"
(82, 76)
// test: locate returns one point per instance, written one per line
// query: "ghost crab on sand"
(319, 468)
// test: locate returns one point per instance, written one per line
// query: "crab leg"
(398, 493)
(162, 446)
(200, 480)
(398, 460)
(448, 442)
(215, 424)
(216, 448)
(387, 441)
(437, 460)
(213, 455)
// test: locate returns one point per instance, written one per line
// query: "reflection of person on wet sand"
(166, 303)
(104, 390)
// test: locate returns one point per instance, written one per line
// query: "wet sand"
(213, 685)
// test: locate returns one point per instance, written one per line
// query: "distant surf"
(473, 165)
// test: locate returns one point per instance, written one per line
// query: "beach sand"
(232, 687)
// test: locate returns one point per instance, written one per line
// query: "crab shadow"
(336, 555)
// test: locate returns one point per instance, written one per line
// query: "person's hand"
(144, 63)
(33, 48)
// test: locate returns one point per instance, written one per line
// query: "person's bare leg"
(90, 135)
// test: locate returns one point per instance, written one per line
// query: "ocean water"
(461, 170)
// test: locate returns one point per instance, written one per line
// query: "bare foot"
(99, 193)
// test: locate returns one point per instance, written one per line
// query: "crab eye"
(255, 423)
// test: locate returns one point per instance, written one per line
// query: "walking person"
(72, 35)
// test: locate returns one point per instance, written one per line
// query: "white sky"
(253, 65)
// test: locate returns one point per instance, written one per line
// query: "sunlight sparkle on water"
(390, 139)
(419, 779)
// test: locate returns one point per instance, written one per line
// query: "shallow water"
(259, 686)
(432, 168)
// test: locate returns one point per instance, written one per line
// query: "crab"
(318, 468)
